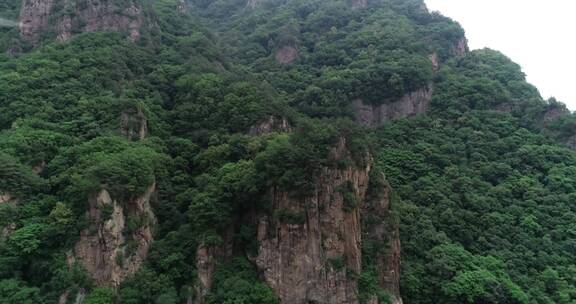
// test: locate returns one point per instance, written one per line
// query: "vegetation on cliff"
(484, 184)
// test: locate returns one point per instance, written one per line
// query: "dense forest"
(142, 157)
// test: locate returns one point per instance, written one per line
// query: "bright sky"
(540, 35)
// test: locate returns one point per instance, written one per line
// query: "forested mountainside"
(274, 151)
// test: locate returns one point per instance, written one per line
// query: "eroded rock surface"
(460, 48)
(310, 247)
(65, 18)
(270, 125)
(34, 18)
(106, 249)
(5, 197)
(411, 104)
(134, 125)
(207, 258)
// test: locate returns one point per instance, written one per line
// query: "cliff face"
(134, 124)
(271, 124)
(310, 247)
(117, 241)
(207, 258)
(460, 48)
(65, 18)
(411, 104)
(34, 16)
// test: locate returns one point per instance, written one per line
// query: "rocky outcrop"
(40, 18)
(5, 197)
(182, 7)
(206, 266)
(460, 48)
(270, 125)
(207, 257)
(39, 168)
(286, 54)
(117, 241)
(554, 112)
(134, 125)
(435, 61)
(411, 104)
(34, 18)
(7, 231)
(310, 247)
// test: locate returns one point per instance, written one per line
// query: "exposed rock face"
(182, 6)
(5, 197)
(310, 248)
(435, 61)
(34, 17)
(460, 48)
(38, 18)
(206, 266)
(7, 231)
(39, 168)
(207, 257)
(411, 104)
(107, 251)
(63, 298)
(286, 54)
(134, 125)
(555, 112)
(271, 124)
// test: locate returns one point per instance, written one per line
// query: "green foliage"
(15, 292)
(27, 240)
(349, 196)
(124, 168)
(237, 282)
(101, 296)
(485, 200)
(15, 178)
(490, 187)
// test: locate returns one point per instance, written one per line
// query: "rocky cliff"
(117, 241)
(269, 125)
(133, 124)
(310, 247)
(411, 104)
(62, 19)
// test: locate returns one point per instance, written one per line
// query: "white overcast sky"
(540, 35)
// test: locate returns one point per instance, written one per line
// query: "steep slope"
(274, 151)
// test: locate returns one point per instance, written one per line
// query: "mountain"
(275, 151)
